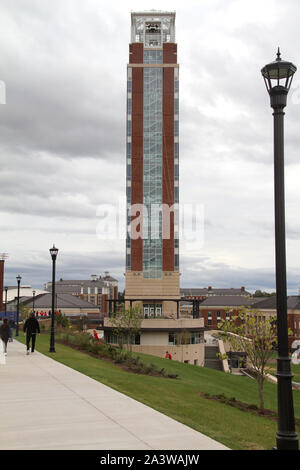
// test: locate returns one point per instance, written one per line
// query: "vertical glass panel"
(128, 127)
(152, 178)
(176, 106)
(129, 106)
(176, 128)
(153, 57)
(176, 150)
(176, 194)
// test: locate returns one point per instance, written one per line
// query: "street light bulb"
(53, 251)
(278, 74)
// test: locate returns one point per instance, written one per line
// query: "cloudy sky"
(62, 136)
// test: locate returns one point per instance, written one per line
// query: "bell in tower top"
(153, 28)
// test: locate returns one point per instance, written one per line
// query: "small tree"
(250, 332)
(182, 338)
(62, 320)
(259, 293)
(81, 323)
(24, 311)
(127, 324)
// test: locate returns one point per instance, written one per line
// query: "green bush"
(172, 376)
(86, 342)
(252, 407)
(95, 348)
(62, 320)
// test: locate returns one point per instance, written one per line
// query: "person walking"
(11, 326)
(31, 327)
(5, 334)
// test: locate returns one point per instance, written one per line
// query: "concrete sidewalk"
(46, 405)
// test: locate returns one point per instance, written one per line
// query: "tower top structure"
(153, 27)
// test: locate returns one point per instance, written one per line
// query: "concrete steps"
(211, 359)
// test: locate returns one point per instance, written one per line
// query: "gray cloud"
(60, 99)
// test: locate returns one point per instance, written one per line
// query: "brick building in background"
(216, 308)
(97, 290)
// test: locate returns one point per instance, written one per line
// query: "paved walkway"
(46, 405)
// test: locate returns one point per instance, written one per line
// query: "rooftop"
(293, 302)
(94, 281)
(61, 301)
(228, 301)
(210, 291)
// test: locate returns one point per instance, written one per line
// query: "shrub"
(61, 320)
(252, 407)
(86, 342)
(95, 348)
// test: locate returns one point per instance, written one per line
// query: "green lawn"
(180, 398)
(295, 368)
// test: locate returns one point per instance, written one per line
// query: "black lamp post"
(5, 307)
(18, 304)
(53, 253)
(33, 297)
(278, 77)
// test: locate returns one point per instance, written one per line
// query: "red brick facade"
(218, 313)
(168, 163)
(169, 53)
(137, 151)
(136, 57)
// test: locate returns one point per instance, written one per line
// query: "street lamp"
(5, 308)
(18, 304)
(33, 296)
(278, 77)
(53, 253)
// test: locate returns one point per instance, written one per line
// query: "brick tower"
(152, 246)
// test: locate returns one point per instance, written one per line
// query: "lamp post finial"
(278, 55)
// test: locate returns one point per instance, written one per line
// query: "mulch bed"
(122, 366)
(253, 409)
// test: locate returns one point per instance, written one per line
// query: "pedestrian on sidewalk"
(31, 328)
(5, 334)
(11, 326)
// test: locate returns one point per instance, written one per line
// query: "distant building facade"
(25, 291)
(204, 293)
(183, 339)
(192, 298)
(69, 305)
(98, 290)
(215, 309)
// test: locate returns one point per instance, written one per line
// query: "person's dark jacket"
(31, 326)
(5, 332)
(11, 323)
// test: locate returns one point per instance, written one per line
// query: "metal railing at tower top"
(153, 27)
